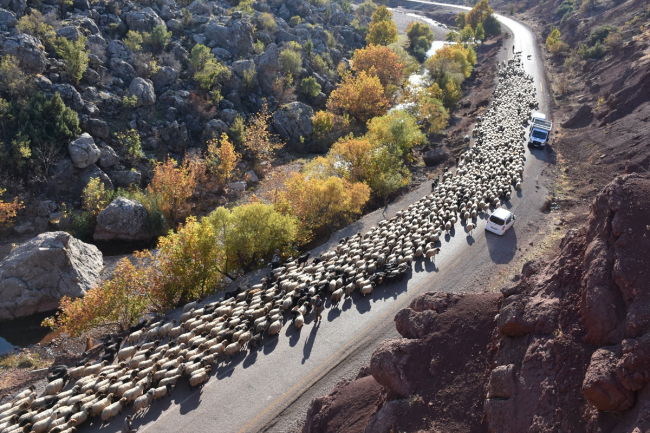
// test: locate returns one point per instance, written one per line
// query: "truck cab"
(539, 130)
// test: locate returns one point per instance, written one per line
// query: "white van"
(500, 221)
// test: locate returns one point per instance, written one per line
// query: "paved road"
(269, 390)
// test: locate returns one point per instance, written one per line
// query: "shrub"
(418, 30)
(252, 234)
(595, 52)
(566, 7)
(95, 198)
(320, 65)
(559, 48)
(268, 22)
(129, 101)
(467, 34)
(321, 205)
(366, 9)
(290, 61)
(553, 38)
(331, 40)
(133, 40)
(480, 32)
(8, 210)
(200, 56)
(309, 86)
(48, 121)
(613, 41)
(294, 21)
(221, 159)
(600, 33)
(362, 96)
(117, 303)
(131, 144)
(323, 122)
(208, 70)
(34, 24)
(382, 62)
(159, 38)
(258, 140)
(75, 56)
(258, 46)
(13, 81)
(249, 79)
(452, 36)
(236, 132)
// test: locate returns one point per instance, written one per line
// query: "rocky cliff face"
(571, 340)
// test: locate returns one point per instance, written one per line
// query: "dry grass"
(25, 360)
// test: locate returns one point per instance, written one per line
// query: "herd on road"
(149, 362)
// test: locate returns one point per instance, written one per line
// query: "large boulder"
(122, 69)
(236, 38)
(119, 50)
(268, 67)
(143, 89)
(435, 156)
(38, 273)
(70, 96)
(123, 219)
(7, 18)
(143, 20)
(164, 76)
(83, 151)
(28, 50)
(293, 123)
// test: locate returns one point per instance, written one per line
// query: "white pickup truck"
(539, 130)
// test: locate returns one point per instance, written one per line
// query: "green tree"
(34, 24)
(13, 81)
(208, 70)
(480, 33)
(309, 86)
(290, 61)
(251, 234)
(398, 131)
(492, 26)
(200, 56)
(452, 36)
(366, 9)
(467, 34)
(478, 14)
(553, 38)
(133, 40)
(382, 30)
(48, 120)
(75, 55)
(461, 20)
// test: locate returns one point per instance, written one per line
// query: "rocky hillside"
(143, 62)
(564, 347)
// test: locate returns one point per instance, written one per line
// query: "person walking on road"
(127, 427)
(318, 308)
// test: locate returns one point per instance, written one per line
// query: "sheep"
(431, 253)
(80, 417)
(232, 349)
(169, 380)
(143, 401)
(111, 410)
(135, 336)
(469, 227)
(200, 376)
(42, 425)
(336, 296)
(99, 406)
(275, 327)
(161, 391)
(93, 369)
(298, 321)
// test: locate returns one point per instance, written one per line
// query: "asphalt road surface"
(271, 388)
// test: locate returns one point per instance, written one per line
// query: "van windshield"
(539, 134)
(496, 220)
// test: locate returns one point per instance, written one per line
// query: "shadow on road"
(333, 313)
(502, 249)
(309, 344)
(470, 238)
(250, 359)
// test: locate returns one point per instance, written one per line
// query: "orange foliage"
(320, 205)
(379, 61)
(258, 140)
(362, 96)
(478, 14)
(172, 186)
(8, 210)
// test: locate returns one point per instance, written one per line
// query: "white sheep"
(113, 409)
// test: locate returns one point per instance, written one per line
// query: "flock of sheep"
(148, 363)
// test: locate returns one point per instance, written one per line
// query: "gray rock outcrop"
(435, 156)
(268, 67)
(7, 18)
(28, 50)
(143, 89)
(143, 20)
(83, 151)
(123, 219)
(293, 123)
(236, 38)
(38, 273)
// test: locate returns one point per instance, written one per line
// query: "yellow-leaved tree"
(221, 159)
(258, 140)
(361, 96)
(382, 29)
(171, 187)
(321, 205)
(382, 62)
(8, 210)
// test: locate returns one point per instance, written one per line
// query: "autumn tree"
(553, 38)
(361, 96)
(221, 158)
(8, 210)
(479, 13)
(398, 130)
(188, 264)
(171, 187)
(382, 29)
(380, 61)
(420, 38)
(116, 304)
(251, 235)
(258, 140)
(448, 68)
(96, 197)
(321, 205)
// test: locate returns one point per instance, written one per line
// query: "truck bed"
(542, 124)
